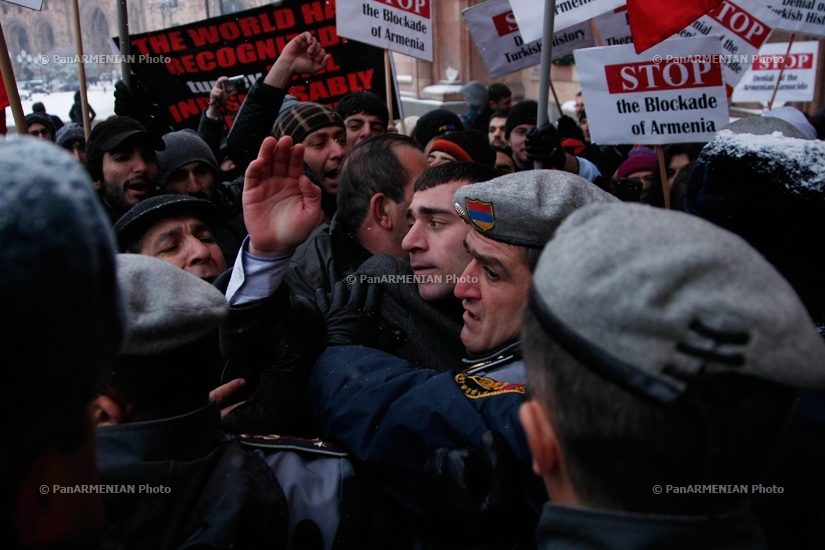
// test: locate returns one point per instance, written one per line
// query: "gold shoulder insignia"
(476, 387)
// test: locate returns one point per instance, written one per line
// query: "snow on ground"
(101, 99)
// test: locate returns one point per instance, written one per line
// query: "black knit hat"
(363, 102)
(467, 145)
(435, 123)
(183, 147)
(134, 223)
(523, 112)
(304, 118)
(39, 118)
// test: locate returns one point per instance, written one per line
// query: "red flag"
(4, 97)
(652, 21)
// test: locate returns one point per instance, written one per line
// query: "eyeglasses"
(42, 132)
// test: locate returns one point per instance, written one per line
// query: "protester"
(76, 112)
(57, 280)
(177, 229)
(365, 115)
(634, 178)
(684, 383)
(122, 160)
(432, 125)
(461, 146)
(499, 98)
(475, 94)
(39, 108)
(579, 105)
(504, 160)
(72, 137)
(497, 128)
(40, 126)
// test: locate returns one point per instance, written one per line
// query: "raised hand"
(281, 206)
(302, 55)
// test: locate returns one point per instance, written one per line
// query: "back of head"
(664, 350)
(769, 189)
(61, 310)
(170, 341)
(363, 102)
(434, 123)
(498, 91)
(371, 167)
(475, 93)
(38, 107)
(569, 129)
(183, 147)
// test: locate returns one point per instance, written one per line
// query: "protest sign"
(802, 16)
(741, 30)
(32, 4)
(671, 93)
(614, 27)
(798, 79)
(496, 35)
(403, 26)
(530, 14)
(180, 65)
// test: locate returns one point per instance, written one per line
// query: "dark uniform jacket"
(563, 528)
(211, 495)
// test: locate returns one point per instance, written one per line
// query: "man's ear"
(380, 212)
(106, 412)
(542, 438)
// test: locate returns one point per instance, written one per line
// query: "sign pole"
(546, 58)
(388, 84)
(81, 69)
(125, 45)
(11, 87)
(781, 71)
(660, 152)
(596, 32)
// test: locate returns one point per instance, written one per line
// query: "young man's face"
(579, 105)
(361, 126)
(40, 131)
(436, 158)
(324, 152)
(130, 173)
(502, 104)
(196, 179)
(185, 241)
(496, 131)
(436, 240)
(518, 138)
(493, 290)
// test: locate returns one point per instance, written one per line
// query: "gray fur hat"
(525, 208)
(654, 300)
(183, 147)
(62, 317)
(166, 307)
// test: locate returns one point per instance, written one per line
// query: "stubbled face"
(435, 240)
(495, 131)
(362, 126)
(493, 290)
(196, 179)
(130, 173)
(324, 152)
(187, 242)
(40, 131)
(518, 139)
(579, 104)
(439, 157)
(502, 104)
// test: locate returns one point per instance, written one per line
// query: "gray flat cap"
(166, 307)
(652, 299)
(525, 208)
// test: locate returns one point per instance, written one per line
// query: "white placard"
(403, 26)
(614, 27)
(742, 27)
(31, 4)
(672, 93)
(798, 80)
(802, 16)
(530, 14)
(496, 34)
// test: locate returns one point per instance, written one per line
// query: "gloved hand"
(471, 486)
(137, 104)
(544, 145)
(351, 314)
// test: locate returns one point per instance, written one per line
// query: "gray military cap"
(525, 208)
(166, 307)
(653, 299)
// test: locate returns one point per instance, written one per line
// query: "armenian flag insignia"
(481, 214)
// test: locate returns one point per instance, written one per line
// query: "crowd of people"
(316, 332)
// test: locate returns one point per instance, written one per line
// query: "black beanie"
(33, 118)
(435, 123)
(468, 146)
(183, 147)
(523, 112)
